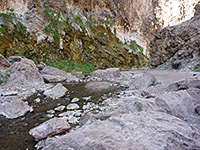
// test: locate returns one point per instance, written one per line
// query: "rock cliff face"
(95, 29)
(133, 19)
(177, 47)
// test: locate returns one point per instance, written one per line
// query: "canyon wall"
(137, 20)
(178, 47)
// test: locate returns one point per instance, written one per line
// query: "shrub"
(56, 23)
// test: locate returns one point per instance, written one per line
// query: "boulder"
(41, 66)
(24, 72)
(181, 104)
(53, 79)
(56, 92)
(51, 74)
(13, 59)
(13, 107)
(4, 63)
(143, 130)
(49, 128)
(141, 81)
(99, 86)
(71, 79)
(185, 84)
(108, 74)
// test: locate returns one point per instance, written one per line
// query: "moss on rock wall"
(84, 40)
(102, 48)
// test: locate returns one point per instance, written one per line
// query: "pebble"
(50, 115)
(51, 111)
(60, 108)
(78, 114)
(37, 100)
(68, 113)
(75, 100)
(8, 93)
(73, 120)
(73, 106)
(87, 98)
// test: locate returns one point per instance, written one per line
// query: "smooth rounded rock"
(73, 106)
(60, 108)
(74, 100)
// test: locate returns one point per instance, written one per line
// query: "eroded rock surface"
(181, 103)
(144, 130)
(24, 72)
(141, 80)
(142, 118)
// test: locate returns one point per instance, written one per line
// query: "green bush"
(56, 23)
(133, 45)
(79, 22)
(9, 18)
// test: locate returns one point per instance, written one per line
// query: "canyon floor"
(107, 109)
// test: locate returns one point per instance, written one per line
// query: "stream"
(14, 132)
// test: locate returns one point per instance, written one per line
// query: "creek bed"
(14, 132)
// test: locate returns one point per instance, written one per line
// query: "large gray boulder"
(141, 81)
(108, 74)
(51, 74)
(49, 128)
(24, 72)
(181, 104)
(125, 131)
(185, 84)
(13, 107)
